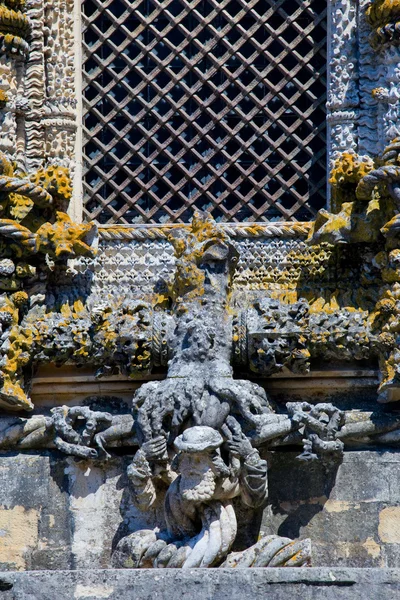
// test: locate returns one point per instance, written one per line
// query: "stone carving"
(199, 410)
(342, 335)
(353, 428)
(35, 89)
(342, 93)
(277, 335)
(15, 28)
(321, 425)
(60, 319)
(59, 108)
(367, 203)
(260, 299)
(33, 214)
(37, 80)
(349, 223)
(199, 386)
(77, 438)
(198, 430)
(117, 335)
(36, 234)
(381, 73)
(371, 76)
(200, 518)
(115, 338)
(366, 194)
(78, 431)
(383, 17)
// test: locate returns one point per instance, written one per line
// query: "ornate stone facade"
(211, 324)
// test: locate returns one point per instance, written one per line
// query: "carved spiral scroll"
(25, 187)
(13, 230)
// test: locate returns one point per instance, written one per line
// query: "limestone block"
(350, 510)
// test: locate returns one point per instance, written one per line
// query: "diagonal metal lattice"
(210, 104)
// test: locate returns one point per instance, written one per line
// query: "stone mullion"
(343, 74)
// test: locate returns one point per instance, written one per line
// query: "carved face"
(199, 474)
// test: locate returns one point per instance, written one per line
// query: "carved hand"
(239, 445)
(155, 449)
(237, 442)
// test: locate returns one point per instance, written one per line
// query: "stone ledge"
(204, 584)
(68, 384)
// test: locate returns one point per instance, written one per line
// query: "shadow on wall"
(297, 491)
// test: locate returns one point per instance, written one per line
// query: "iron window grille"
(210, 104)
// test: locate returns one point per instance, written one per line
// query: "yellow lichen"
(64, 238)
(348, 170)
(382, 12)
(56, 180)
(3, 98)
(355, 218)
(20, 299)
(190, 251)
(383, 17)
(19, 206)
(18, 355)
(13, 23)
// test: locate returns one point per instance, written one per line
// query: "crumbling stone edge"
(207, 584)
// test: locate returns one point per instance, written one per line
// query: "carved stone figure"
(222, 309)
(198, 411)
(199, 388)
(200, 518)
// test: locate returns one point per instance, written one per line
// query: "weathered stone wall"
(351, 510)
(58, 513)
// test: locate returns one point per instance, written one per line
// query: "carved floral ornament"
(200, 435)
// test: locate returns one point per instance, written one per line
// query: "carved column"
(343, 71)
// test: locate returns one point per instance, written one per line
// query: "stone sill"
(67, 384)
(204, 584)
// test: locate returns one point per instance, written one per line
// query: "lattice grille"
(214, 104)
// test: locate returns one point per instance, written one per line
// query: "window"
(210, 104)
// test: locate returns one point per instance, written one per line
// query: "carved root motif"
(163, 408)
(143, 550)
(78, 431)
(321, 424)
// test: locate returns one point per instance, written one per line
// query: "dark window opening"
(210, 104)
